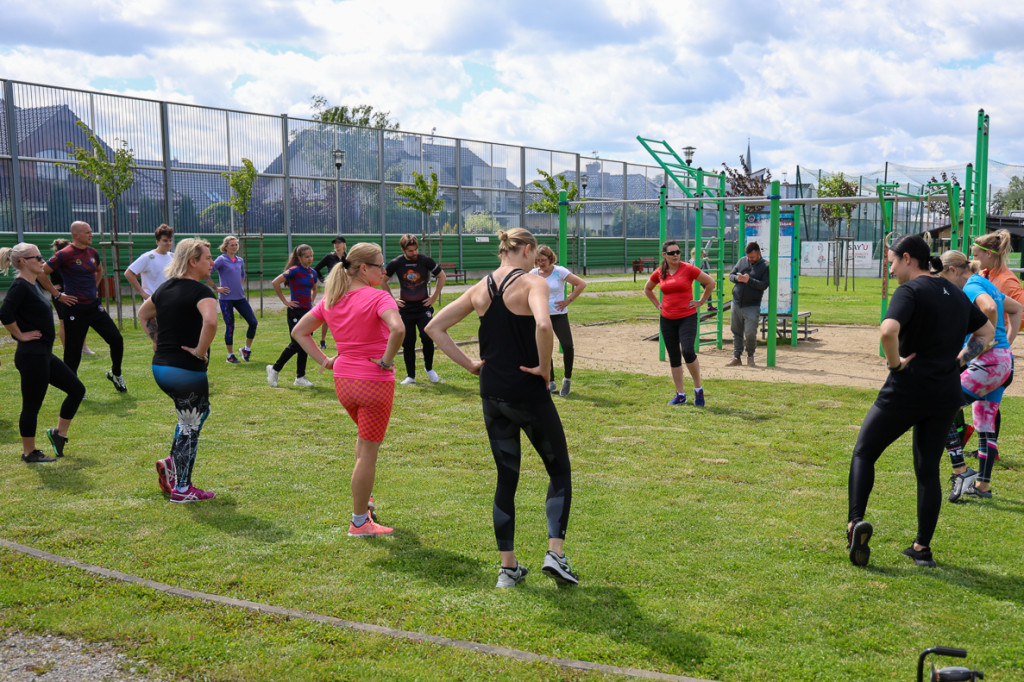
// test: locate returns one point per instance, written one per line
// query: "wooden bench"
(644, 263)
(786, 325)
(454, 272)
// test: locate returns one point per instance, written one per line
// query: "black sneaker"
(57, 441)
(36, 456)
(857, 543)
(921, 557)
(558, 567)
(118, 382)
(323, 344)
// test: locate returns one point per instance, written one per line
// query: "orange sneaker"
(368, 529)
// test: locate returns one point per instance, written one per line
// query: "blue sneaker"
(698, 398)
(678, 399)
(232, 359)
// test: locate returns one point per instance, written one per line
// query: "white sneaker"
(559, 568)
(432, 375)
(408, 380)
(510, 577)
(566, 383)
(272, 376)
(303, 381)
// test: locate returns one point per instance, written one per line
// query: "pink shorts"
(368, 403)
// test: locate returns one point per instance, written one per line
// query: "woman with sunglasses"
(26, 314)
(368, 332)
(679, 317)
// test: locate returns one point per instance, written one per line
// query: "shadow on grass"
(406, 554)
(612, 613)
(220, 514)
(996, 586)
(66, 473)
(118, 403)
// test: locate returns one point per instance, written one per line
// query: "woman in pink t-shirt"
(679, 318)
(368, 332)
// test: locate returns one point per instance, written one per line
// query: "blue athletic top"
(978, 285)
(231, 272)
(301, 282)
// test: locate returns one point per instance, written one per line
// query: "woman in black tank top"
(516, 339)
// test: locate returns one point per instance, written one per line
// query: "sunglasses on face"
(38, 258)
(672, 253)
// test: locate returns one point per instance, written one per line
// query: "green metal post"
(662, 236)
(982, 200)
(743, 229)
(720, 270)
(773, 275)
(953, 193)
(968, 205)
(795, 274)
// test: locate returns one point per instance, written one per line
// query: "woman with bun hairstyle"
(367, 332)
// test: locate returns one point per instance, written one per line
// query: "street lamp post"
(339, 161)
(583, 183)
(688, 157)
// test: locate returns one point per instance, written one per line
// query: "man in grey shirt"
(750, 275)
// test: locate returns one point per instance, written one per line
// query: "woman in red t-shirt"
(679, 316)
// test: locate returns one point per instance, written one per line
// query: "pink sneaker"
(368, 529)
(166, 476)
(193, 494)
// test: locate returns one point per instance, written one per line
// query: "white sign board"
(758, 229)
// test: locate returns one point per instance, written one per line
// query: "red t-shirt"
(677, 291)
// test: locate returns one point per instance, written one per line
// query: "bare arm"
(208, 309)
(19, 335)
(133, 279)
(649, 293)
(976, 345)
(302, 332)
(450, 315)
(708, 285)
(441, 279)
(545, 335)
(1015, 314)
(578, 285)
(988, 306)
(397, 334)
(890, 338)
(278, 281)
(45, 282)
(147, 319)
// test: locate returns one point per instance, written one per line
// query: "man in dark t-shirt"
(80, 269)
(415, 303)
(327, 263)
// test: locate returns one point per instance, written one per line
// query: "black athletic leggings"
(79, 318)
(38, 373)
(293, 348)
(560, 323)
(540, 421)
(680, 336)
(414, 321)
(880, 429)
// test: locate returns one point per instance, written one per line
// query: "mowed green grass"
(709, 543)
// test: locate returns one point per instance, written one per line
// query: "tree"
(939, 204)
(1011, 198)
(186, 220)
(241, 182)
(835, 214)
(113, 176)
(481, 222)
(548, 203)
(422, 196)
(151, 214)
(359, 115)
(58, 209)
(216, 218)
(746, 183)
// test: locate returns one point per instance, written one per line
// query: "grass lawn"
(710, 543)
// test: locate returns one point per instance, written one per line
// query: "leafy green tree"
(421, 195)
(186, 220)
(358, 115)
(481, 222)
(241, 182)
(1011, 198)
(835, 214)
(58, 209)
(113, 176)
(151, 215)
(550, 186)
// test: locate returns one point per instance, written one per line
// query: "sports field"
(710, 543)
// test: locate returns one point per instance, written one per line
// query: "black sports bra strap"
(492, 288)
(509, 279)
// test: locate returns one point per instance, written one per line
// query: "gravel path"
(48, 658)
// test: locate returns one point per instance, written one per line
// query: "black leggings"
(38, 373)
(293, 348)
(680, 336)
(414, 321)
(560, 323)
(190, 392)
(539, 420)
(76, 325)
(880, 429)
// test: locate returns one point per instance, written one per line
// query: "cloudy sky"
(840, 86)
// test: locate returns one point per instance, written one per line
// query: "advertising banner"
(758, 229)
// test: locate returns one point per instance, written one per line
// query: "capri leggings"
(38, 373)
(881, 427)
(540, 421)
(368, 403)
(680, 336)
(560, 323)
(190, 392)
(227, 309)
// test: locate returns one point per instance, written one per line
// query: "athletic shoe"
(408, 381)
(57, 441)
(371, 509)
(566, 383)
(552, 387)
(167, 477)
(921, 557)
(698, 398)
(193, 494)
(980, 494)
(323, 344)
(432, 375)
(88, 351)
(37, 456)
(368, 529)
(735, 362)
(750, 361)
(857, 543)
(510, 577)
(246, 354)
(272, 376)
(303, 381)
(960, 482)
(558, 567)
(118, 382)
(678, 399)
(232, 359)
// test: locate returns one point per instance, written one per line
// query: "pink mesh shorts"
(368, 403)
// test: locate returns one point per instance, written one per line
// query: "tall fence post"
(165, 147)
(12, 145)
(286, 185)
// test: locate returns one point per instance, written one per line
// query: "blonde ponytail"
(340, 278)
